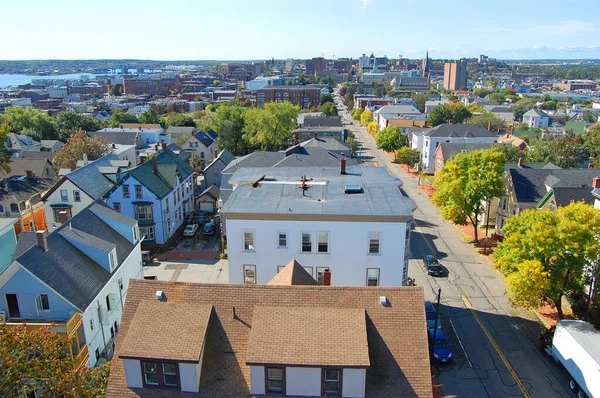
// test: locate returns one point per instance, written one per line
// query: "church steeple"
(426, 66)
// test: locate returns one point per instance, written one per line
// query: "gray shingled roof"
(13, 191)
(117, 137)
(212, 134)
(530, 184)
(322, 121)
(565, 195)
(179, 151)
(458, 130)
(328, 143)
(26, 241)
(90, 179)
(450, 149)
(19, 167)
(180, 130)
(204, 138)
(66, 269)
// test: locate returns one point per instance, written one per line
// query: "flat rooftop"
(376, 196)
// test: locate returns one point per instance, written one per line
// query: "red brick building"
(153, 85)
(303, 96)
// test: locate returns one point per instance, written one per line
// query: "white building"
(356, 224)
(536, 118)
(289, 64)
(383, 114)
(264, 81)
(76, 278)
(431, 105)
(158, 194)
(428, 140)
(150, 135)
(57, 91)
(203, 146)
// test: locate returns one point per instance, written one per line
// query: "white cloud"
(366, 3)
(565, 27)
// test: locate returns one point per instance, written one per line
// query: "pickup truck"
(576, 345)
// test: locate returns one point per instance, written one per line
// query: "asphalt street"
(494, 344)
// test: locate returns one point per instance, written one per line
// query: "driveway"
(198, 247)
(207, 271)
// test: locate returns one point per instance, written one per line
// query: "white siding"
(257, 380)
(353, 383)
(187, 375)
(55, 198)
(348, 256)
(133, 373)
(303, 381)
(431, 143)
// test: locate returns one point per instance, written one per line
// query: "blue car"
(441, 350)
(430, 314)
(208, 228)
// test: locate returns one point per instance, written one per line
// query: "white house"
(329, 221)
(150, 134)
(203, 146)
(76, 277)
(428, 140)
(431, 105)
(383, 114)
(536, 118)
(158, 194)
(18, 143)
(79, 188)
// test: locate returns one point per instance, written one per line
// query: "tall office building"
(455, 75)
(289, 64)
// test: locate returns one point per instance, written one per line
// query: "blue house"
(75, 277)
(8, 241)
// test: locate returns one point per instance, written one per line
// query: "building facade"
(302, 96)
(455, 75)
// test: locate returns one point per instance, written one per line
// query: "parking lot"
(199, 271)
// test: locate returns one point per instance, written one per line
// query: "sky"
(259, 29)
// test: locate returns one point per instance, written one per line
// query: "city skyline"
(260, 30)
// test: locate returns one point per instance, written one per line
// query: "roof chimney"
(343, 163)
(490, 126)
(326, 277)
(73, 165)
(164, 145)
(155, 165)
(520, 163)
(596, 182)
(30, 174)
(41, 240)
(316, 135)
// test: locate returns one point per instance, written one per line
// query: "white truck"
(576, 345)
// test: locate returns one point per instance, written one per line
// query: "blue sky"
(246, 29)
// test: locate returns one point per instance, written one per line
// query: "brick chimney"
(155, 165)
(42, 241)
(156, 147)
(163, 144)
(316, 135)
(326, 277)
(520, 163)
(490, 126)
(73, 165)
(343, 164)
(30, 174)
(596, 182)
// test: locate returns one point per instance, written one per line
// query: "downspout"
(101, 325)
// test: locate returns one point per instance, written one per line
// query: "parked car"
(190, 230)
(146, 257)
(198, 217)
(433, 266)
(441, 350)
(208, 228)
(430, 315)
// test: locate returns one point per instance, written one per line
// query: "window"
(111, 260)
(280, 267)
(201, 155)
(62, 214)
(41, 302)
(97, 352)
(143, 212)
(91, 324)
(107, 302)
(64, 195)
(76, 196)
(372, 276)
(306, 242)
(116, 327)
(125, 189)
(14, 207)
(138, 192)
(117, 207)
(174, 198)
(150, 370)
(407, 237)
(309, 270)
(282, 240)
(320, 271)
(248, 240)
(148, 232)
(250, 274)
(332, 385)
(168, 224)
(112, 333)
(167, 204)
(170, 378)
(275, 380)
(374, 240)
(323, 242)
(196, 144)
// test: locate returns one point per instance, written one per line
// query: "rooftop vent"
(383, 301)
(353, 189)
(160, 295)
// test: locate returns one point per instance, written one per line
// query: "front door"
(13, 306)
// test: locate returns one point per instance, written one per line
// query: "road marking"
(460, 342)
(433, 251)
(489, 336)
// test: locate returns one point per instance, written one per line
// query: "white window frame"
(149, 232)
(252, 246)
(407, 237)
(139, 191)
(302, 242)
(378, 270)
(280, 267)
(372, 235)
(39, 303)
(76, 195)
(125, 191)
(309, 270)
(320, 270)
(64, 195)
(279, 245)
(246, 268)
(319, 235)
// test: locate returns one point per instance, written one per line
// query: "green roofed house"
(159, 194)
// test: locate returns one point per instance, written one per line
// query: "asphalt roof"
(118, 137)
(458, 130)
(320, 121)
(450, 149)
(380, 197)
(90, 178)
(19, 167)
(65, 268)
(293, 274)
(180, 130)
(565, 195)
(14, 191)
(328, 143)
(203, 138)
(530, 184)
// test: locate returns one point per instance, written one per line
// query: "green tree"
(481, 92)
(497, 98)
(325, 98)
(115, 91)
(29, 121)
(270, 127)
(229, 125)
(511, 153)
(149, 117)
(78, 144)
(33, 359)
(566, 152)
(67, 122)
(546, 253)
(119, 117)
(408, 156)
(180, 120)
(460, 113)
(366, 117)
(5, 153)
(353, 145)
(591, 141)
(328, 109)
(420, 100)
(372, 127)
(439, 115)
(489, 120)
(390, 139)
(466, 182)
(357, 113)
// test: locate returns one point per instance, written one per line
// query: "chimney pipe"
(596, 182)
(343, 164)
(155, 165)
(164, 145)
(85, 159)
(520, 163)
(326, 277)
(42, 241)
(73, 165)
(316, 135)
(30, 174)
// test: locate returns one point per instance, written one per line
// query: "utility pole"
(437, 315)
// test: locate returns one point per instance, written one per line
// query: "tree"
(5, 153)
(357, 113)
(33, 359)
(67, 122)
(229, 125)
(372, 127)
(325, 98)
(566, 152)
(497, 98)
(481, 92)
(366, 117)
(390, 139)
(180, 120)
(114, 91)
(460, 113)
(420, 100)
(29, 121)
(119, 117)
(439, 115)
(543, 254)
(466, 182)
(80, 143)
(511, 153)
(149, 117)
(216, 82)
(353, 145)
(329, 109)
(408, 156)
(591, 141)
(489, 120)
(270, 127)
